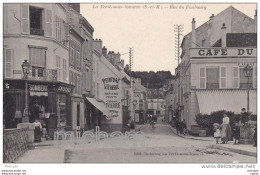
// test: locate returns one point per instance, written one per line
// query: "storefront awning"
(99, 105)
(229, 100)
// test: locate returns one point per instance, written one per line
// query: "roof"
(238, 40)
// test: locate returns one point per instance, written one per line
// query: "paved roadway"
(161, 146)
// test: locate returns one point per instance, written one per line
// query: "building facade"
(31, 32)
(210, 76)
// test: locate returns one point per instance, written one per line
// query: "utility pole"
(178, 29)
(131, 84)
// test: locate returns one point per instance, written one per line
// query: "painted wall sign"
(222, 52)
(111, 92)
(244, 64)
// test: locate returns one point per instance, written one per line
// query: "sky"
(149, 29)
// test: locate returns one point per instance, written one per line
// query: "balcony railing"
(43, 74)
(34, 31)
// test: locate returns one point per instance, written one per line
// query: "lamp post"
(248, 71)
(26, 70)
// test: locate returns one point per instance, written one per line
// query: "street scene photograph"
(130, 83)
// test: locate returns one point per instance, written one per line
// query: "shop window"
(212, 78)
(36, 25)
(243, 80)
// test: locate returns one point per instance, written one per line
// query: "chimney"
(104, 51)
(212, 16)
(193, 34)
(224, 33)
(255, 18)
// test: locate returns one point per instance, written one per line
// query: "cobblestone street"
(161, 145)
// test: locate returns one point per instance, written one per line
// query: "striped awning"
(229, 100)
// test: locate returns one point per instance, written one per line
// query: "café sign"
(222, 52)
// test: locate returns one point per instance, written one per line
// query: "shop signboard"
(222, 52)
(112, 96)
(38, 90)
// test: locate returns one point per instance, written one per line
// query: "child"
(217, 134)
(236, 133)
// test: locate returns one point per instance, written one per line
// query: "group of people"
(181, 127)
(224, 132)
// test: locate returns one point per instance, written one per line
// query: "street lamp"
(26, 70)
(248, 71)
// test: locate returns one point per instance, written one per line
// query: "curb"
(192, 138)
(239, 151)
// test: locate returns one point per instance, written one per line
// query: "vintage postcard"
(130, 83)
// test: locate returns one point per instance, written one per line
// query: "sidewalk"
(248, 150)
(46, 152)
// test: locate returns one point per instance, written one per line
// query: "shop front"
(44, 98)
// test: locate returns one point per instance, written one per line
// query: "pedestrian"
(217, 134)
(177, 125)
(184, 126)
(236, 133)
(244, 116)
(226, 131)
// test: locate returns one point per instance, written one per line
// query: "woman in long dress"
(226, 132)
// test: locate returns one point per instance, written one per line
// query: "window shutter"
(48, 23)
(255, 76)
(9, 63)
(202, 78)
(223, 77)
(25, 19)
(235, 76)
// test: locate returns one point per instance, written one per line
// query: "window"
(223, 77)
(87, 79)
(235, 77)
(94, 89)
(64, 70)
(202, 78)
(58, 65)
(58, 27)
(255, 77)
(243, 80)
(75, 60)
(212, 78)
(8, 58)
(37, 58)
(36, 26)
(98, 90)
(79, 83)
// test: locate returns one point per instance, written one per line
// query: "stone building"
(37, 33)
(210, 76)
